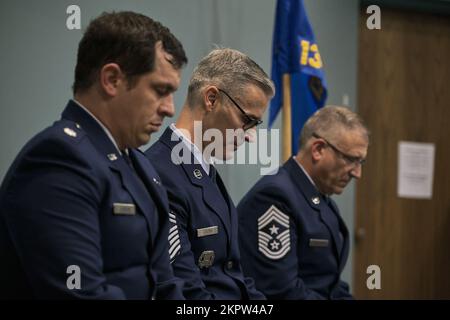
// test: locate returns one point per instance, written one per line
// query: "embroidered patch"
(174, 237)
(273, 234)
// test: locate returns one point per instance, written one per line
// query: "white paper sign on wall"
(415, 170)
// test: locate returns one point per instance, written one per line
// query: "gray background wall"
(38, 56)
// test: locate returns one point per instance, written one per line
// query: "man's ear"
(111, 77)
(210, 97)
(317, 147)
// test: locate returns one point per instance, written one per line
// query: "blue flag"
(295, 52)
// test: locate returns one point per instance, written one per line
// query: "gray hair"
(230, 70)
(329, 122)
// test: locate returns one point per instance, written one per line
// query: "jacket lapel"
(211, 194)
(326, 219)
(313, 198)
(135, 187)
(232, 214)
(105, 146)
(151, 180)
(343, 228)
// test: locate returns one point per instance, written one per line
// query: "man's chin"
(144, 139)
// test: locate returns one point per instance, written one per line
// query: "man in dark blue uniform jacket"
(227, 91)
(83, 213)
(293, 240)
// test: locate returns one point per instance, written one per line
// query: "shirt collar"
(304, 171)
(194, 149)
(105, 129)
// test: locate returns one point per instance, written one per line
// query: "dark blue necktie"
(127, 159)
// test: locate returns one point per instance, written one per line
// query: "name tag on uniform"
(128, 209)
(203, 232)
(318, 242)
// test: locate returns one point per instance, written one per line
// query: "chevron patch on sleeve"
(174, 237)
(273, 234)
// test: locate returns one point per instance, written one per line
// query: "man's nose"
(356, 171)
(168, 106)
(250, 135)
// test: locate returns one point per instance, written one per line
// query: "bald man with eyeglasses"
(293, 241)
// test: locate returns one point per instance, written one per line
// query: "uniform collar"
(194, 149)
(105, 129)
(91, 127)
(304, 171)
(303, 182)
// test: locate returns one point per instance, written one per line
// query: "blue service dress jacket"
(293, 241)
(203, 239)
(71, 202)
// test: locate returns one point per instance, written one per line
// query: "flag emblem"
(297, 72)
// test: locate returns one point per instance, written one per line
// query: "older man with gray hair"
(293, 240)
(228, 91)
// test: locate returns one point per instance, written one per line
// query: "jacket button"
(229, 264)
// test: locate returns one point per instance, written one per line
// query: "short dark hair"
(126, 38)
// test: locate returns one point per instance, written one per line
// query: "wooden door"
(404, 95)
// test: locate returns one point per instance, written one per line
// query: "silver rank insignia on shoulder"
(274, 234)
(198, 174)
(70, 132)
(315, 200)
(77, 125)
(156, 181)
(206, 259)
(128, 209)
(112, 156)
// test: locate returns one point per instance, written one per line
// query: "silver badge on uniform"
(315, 200)
(174, 237)
(128, 209)
(203, 232)
(273, 234)
(156, 181)
(112, 156)
(198, 174)
(206, 259)
(70, 132)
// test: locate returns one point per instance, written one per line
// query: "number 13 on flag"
(305, 60)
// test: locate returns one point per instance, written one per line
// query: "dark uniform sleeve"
(276, 274)
(168, 287)
(342, 292)
(181, 256)
(52, 214)
(253, 292)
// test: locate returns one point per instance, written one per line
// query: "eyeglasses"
(355, 161)
(250, 121)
